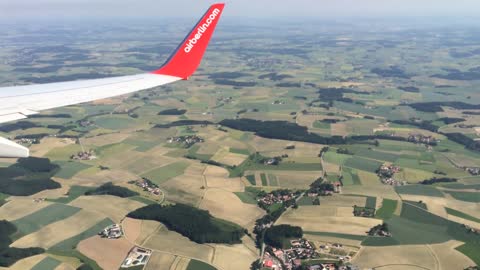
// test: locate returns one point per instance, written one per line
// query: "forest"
(198, 225)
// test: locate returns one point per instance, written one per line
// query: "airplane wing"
(19, 102)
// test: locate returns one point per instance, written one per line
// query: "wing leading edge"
(18, 102)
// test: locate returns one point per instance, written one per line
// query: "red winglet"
(187, 57)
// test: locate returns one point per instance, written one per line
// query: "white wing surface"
(18, 102)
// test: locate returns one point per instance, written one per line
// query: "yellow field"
(160, 261)
(342, 201)
(304, 218)
(438, 256)
(109, 254)
(449, 258)
(343, 241)
(231, 159)
(226, 205)
(105, 139)
(186, 188)
(174, 243)
(374, 191)
(46, 144)
(19, 207)
(59, 231)
(180, 263)
(235, 257)
(296, 179)
(113, 207)
(230, 184)
(147, 228)
(368, 178)
(95, 177)
(132, 228)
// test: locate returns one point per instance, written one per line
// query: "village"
(84, 155)
(422, 139)
(386, 173)
(147, 186)
(301, 252)
(186, 141)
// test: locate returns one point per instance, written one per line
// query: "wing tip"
(187, 57)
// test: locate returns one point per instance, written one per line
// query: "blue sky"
(20, 9)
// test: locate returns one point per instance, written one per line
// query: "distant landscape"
(358, 144)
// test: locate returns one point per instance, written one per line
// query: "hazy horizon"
(326, 9)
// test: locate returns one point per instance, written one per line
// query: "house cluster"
(84, 155)
(148, 186)
(225, 99)
(302, 251)
(278, 102)
(326, 188)
(291, 258)
(113, 231)
(276, 197)
(28, 141)
(272, 161)
(471, 230)
(186, 140)
(380, 230)
(422, 139)
(136, 257)
(386, 173)
(473, 170)
(85, 123)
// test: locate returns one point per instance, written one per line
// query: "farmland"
(269, 119)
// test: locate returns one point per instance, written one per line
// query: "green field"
(415, 226)
(70, 169)
(419, 190)
(165, 173)
(263, 177)
(115, 122)
(459, 214)
(350, 177)
(363, 164)
(371, 202)
(387, 209)
(198, 265)
(473, 197)
(37, 220)
(142, 146)
(377, 155)
(71, 243)
(251, 179)
(272, 180)
(240, 151)
(48, 263)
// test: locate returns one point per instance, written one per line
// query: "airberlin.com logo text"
(200, 30)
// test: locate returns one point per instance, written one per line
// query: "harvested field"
(226, 205)
(56, 232)
(295, 179)
(147, 228)
(174, 243)
(132, 228)
(216, 171)
(160, 261)
(439, 256)
(113, 207)
(333, 239)
(233, 257)
(109, 254)
(186, 188)
(20, 207)
(230, 184)
(346, 225)
(448, 257)
(342, 201)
